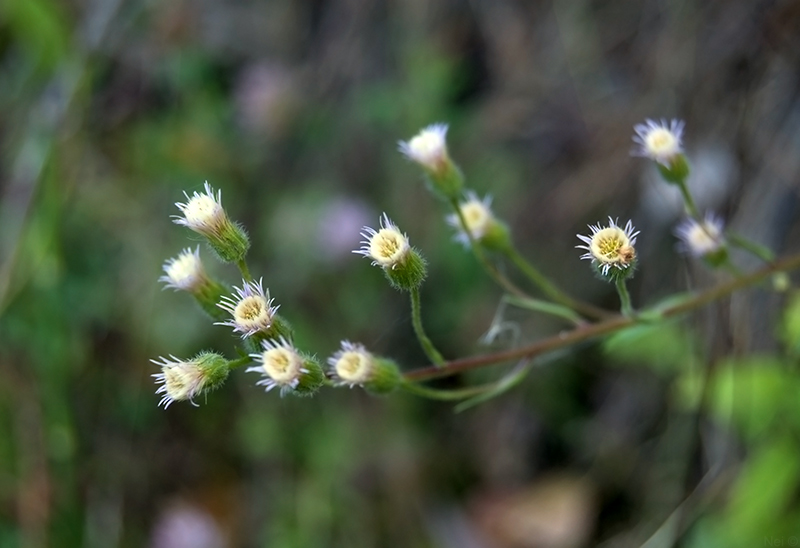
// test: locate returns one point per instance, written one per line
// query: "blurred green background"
(111, 109)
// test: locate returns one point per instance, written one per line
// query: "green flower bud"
(283, 366)
(389, 248)
(185, 379)
(353, 365)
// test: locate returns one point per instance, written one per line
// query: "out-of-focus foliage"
(111, 109)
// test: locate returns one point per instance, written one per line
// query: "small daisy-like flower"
(203, 213)
(352, 365)
(428, 148)
(251, 308)
(701, 239)
(185, 272)
(283, 366)
(610, 246)
(659, 141)
(185, 379)
(387, 247)
(477, 215)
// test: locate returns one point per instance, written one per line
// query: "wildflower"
(662, 142)
(480, 222)
(429, 149)
(283, 366)
(353, 365)
(703, 238)
(390, 249)
(204, 214)
(185, 272)
(185, 379)
(611, 247)
(251, 309)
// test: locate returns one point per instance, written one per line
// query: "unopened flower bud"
(186, 379)
(204, 214)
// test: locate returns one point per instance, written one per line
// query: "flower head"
(185, 379)
(251, 308)
(283, 366)
(185, 272)
(481, 223)
(387, 247)
(203, 213)
(659, 141)
(428, 148)
(352, 364)
(610, 246)
(701, 239)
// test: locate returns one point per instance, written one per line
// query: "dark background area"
(111, 109)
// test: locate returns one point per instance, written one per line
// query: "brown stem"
(585, 332)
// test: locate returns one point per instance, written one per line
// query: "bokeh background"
(111, 109)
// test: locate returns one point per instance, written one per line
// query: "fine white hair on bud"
(282, 365)
(659, 141)
(478, 218)
(428, 148)
(610, 247)
(387, 247)
(185, 272)
(352, 365)
(186, 379)
(203, 213)
(701, 238)
(250, 307)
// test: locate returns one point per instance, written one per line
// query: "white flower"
(610, 246)
(387, 247)
(701, 238)
(352, 365)
(281, 365)
(185, 272)
(477, 216)
(180, 380)
(251, 309)
(428, 148)
(659, 141)
(203, 213)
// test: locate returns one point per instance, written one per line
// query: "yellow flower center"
(182, 381)
(282, 365)
(477, 218)
(253, 312)
(662, 142)
(353, 367)
(202, 210)
(388, 247)
(612, 245)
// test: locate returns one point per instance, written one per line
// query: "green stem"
(760, 251)
(424, 341)
(624, 297)
(242, 264)
(611, 325)
(688, 201)
(445, 395)
(544, 307)
(239, 362)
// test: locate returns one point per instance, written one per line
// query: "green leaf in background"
(41, 28)
(663, 347)
(790, 329)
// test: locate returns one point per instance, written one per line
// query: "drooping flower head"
(610, 248)
(429, 149)
(353, 365)
(389, 248)
(661, 142)
(204, 214)
(480, 222)
(283, 366)
(185, 272)
(702, 238)
(251, 308)
(186, 379)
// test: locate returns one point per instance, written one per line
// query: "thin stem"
(549, 289)
(424, 341)
(242, 264)
(624, 297)
(688, 201)
(753, 248)
(239, 362)
(611, 325)
(445, 395)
